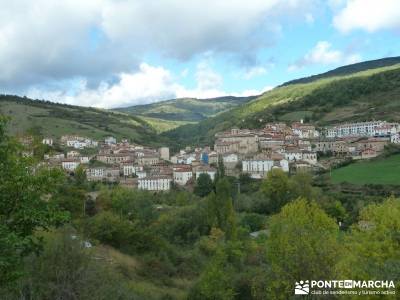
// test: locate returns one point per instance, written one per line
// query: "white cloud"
(149, 84)
(323, 54)
(254, 72)
(54, 40)
(309, 18)
(253, 92)
(368, 15)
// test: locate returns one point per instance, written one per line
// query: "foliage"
(185, 225)
(23, 209)
(372, 247)
(252, 221)
(204, 185)
(276, 189)
(220, 209)
(303, 243)
(66, 270)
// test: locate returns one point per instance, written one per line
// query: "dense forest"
(66, 238)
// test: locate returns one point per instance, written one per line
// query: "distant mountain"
(186, 109)
(349, 69)
(52, 119)
(356, 96)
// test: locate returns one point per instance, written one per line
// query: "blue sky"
(112, 53)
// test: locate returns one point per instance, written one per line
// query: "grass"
(376, 171)
(160, 125)
(296, 116)
(130, 266)
(55, 120)
(186, 109)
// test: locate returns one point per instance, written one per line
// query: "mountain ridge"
(371, 93)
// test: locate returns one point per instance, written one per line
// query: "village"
(242, 151)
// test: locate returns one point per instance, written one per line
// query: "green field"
(380, 171)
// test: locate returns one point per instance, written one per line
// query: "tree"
(276, 188)
(80, 176)
(302, 245)
(220, 169)
(204, 185)
(23, 210)
(372, 248)
(216, 281)
(301, 185)
(220, 209)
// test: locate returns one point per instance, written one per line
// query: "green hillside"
(57, 119)
(378, 171)
(186, 109)
(366, 95)
(350, 69)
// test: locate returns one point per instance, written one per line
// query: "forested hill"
(186, 109)
(366, 95)
(52, 119)
(350, 69)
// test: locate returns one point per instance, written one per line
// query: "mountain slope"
(54, 120)
(186, 109)
(370, 94)
(350, 69)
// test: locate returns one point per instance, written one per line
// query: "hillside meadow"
(376, 171)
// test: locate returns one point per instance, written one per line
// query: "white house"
(258, 167)
(207, 170)
(395, 138)
(55, 156)
(76, 144)
(373, 128)
(164, 153)
(156, 183)
(310, 157)
(84, 159)
(129, 169)
(47, 141)
(72, 153)
(292, 155)
(297, 155)
(230, 158)
(141, 174)
(95, 173)
(182, 175)
(70, 164)
(110, 140)
(304, 131)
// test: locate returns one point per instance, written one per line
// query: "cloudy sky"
(113, 53)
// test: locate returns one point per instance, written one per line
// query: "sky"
(117, 53)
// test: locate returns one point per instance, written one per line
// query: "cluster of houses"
(252, 151)
(128, 164)
(292, 147)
